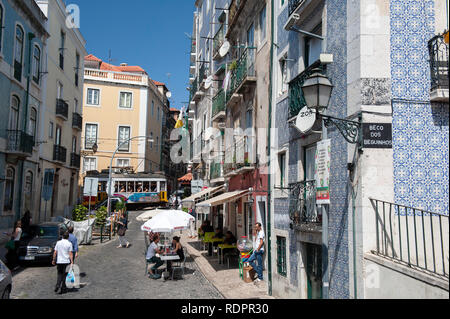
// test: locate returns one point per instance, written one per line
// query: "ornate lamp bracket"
(350, 130)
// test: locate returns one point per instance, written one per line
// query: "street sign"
(305, 120)
(90, 187)
(377, 135)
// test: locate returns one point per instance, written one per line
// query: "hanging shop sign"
(305, 120)
(322, 172)
(377, 135)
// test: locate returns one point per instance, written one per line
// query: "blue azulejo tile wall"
(420, 129)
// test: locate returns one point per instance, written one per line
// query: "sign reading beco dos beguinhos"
(377, 135)
(322, 172)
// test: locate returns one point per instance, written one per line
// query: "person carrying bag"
(122, 230)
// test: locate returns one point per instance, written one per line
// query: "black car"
(38, 245)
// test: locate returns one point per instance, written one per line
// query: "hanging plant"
(233, 65)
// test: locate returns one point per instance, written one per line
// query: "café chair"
(180, 265)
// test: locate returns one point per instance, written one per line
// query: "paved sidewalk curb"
(231, 287)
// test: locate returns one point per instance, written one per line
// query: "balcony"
(203, 74)
(235, 9)
(239, 157)
(75, 160)
(302, 208)
(62, 109)
(295, 10)
(296, 98)
(218, 41)
(243, 74)
(438, 48)
(77, 121)
(195, 93)
(218, 106)
(20, 144)
(59, 154)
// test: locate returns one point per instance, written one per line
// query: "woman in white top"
(12, 253)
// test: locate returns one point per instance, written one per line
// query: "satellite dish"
(305, 120)
(208, 82)
(169, 94)
(224, 49)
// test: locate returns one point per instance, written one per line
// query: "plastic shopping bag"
(70, 278)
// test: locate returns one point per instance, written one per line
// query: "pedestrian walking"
(12, 255)
(193, 213)
(74, 241)
(122, 228)
(26, 222)
(258, 252)
(62, 257)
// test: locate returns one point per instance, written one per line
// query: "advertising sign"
(90, 187)
(322, 172)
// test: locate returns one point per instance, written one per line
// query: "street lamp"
(317, 91)
(111, 164)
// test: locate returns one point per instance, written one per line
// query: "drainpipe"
(31, 36)
(269, 195)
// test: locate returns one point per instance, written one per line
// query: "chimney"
(123, 64)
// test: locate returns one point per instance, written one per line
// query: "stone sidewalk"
(227, 281)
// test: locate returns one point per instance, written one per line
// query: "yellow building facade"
(121, 102)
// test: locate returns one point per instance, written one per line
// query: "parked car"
(5, 281)
(39, 244)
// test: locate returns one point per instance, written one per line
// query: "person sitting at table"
(229, 239)
(207, 228)
(152, 258)
(218, 234)
(176, 249)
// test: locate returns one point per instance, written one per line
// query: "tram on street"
(138, 190)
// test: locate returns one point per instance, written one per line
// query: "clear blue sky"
(148, 33)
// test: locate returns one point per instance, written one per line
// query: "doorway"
(314, 271)
(55, 196)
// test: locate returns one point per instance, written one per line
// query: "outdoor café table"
(210, 242)
(220, 249)
(166, 258)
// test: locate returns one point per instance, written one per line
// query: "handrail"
(413, 236)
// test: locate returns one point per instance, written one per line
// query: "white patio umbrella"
(148, 215)
(168, 221)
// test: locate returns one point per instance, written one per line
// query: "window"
(33, 121)
(90, 164)
(124, 136)
(50, 130)
(283, 76)
(77, 69)
(125, 100)
(58, 135)
(14, 116)
(8, 200)
(281, 256)
(74, 144)
(18, 54)
(282, 166)
(91, 136)
(262, 25)
(123, 162)
(60, 91)
(75, 106)
(153, 108)
(61, 50)
(151, 140)
(251, 36)
(158, 114)
(93, 96)
(157, 143)
(1, 26)
(36, 64)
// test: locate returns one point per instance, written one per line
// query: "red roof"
(157, 83)
(186, 178)
(109, 67)
(172, 109)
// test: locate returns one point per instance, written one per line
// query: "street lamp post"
(111, 164)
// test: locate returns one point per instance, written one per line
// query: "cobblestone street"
(111, 273)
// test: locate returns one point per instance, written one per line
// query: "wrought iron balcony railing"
(244, 152)
(293, 5)
(59, 153)
(241, 69)
(62, 109)
(20, 142)
(234, 9)
(230, 160)
(203, 73)
(302, 203)
(296, 98)
(77, 121)
(219, 39)
(412, 236)
(218, 103)
(75, 160)
(193, 89)
(438, 49)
